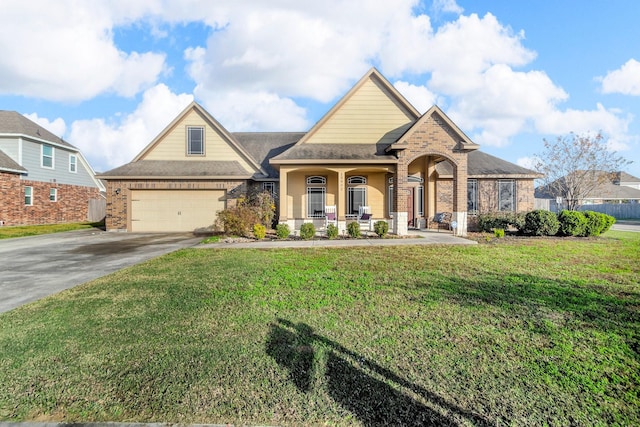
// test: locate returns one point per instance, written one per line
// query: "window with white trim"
(472, 196)
(73, 163)
(507, 195)
(53, 194)
(269, 187)
(420, 199)
(316, 180)
(356, 194)
(391, 201)
(195, 141)
(28, 196)
(316, 196)
(47, 156)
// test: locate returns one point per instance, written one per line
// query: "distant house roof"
(178, 169)
(608, 190)
(8, 165)
(12, 122)
(483, 165)
(625, 177)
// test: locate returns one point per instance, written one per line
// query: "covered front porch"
(406, 197)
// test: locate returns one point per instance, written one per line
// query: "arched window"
(316, 180)
(356, 194)
(316, 196)
(354, 180)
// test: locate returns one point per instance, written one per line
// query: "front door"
(410, 207)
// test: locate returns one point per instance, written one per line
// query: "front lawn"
(527, 332)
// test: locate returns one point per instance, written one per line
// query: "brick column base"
(400, 224)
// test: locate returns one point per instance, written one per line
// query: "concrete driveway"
(34, 267)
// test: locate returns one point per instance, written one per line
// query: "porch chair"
(365, 217)
(440, 220)
(330, 216)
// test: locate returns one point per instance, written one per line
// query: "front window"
(195, 141)
(53, 194)
(269, 187)
(391, 201)
(73, 163)
(420, 197)
(47, 156)
(472, 196)
(28, 196)
(315, 202)
(507, 195)
(356, 194)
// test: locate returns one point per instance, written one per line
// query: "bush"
(572, 223)
(332, 231)
(238, 220)
(597, 223)
(353, 229)
(307, 231)
(259, 231)
(499, 233)
(541, 223)
(381, 228)
(488, 222)
(282, 231)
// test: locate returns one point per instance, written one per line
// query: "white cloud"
(57, 126)
(527, 162)
(447, 6)
(625, 80)
(419, 96)
(110, 143)
(66, 52)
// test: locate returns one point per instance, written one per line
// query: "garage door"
(174, 210)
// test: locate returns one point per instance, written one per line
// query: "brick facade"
(119, 195)
(72, 204)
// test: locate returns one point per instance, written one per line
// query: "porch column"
(283, 196)
(460, 197)
(400, 216)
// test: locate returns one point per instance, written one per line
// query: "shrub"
(541, 223)
(332, 231)
(259, 231)
(353, 229)
(381, 228)
(596, 223)
(487, 222)
(608, 222)
(282, 231)
(238, 220)
(572, 223)
(307, 230)
(498, 232)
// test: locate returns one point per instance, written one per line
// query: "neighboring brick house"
(372, 148)
(43, 179)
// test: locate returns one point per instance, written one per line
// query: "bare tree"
(575, 166)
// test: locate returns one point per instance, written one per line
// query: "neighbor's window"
(53, 194)
(356, 194)
(472, 196)
(506, 195)
(73, 163)
(47, 156)
(195, 141)
(28, 196)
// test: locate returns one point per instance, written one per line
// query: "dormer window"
(195, 141)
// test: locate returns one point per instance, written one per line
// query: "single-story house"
(43, 179)
(614, 188)
(372, 148)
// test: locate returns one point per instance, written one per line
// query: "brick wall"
(119, 195)
(71, 206)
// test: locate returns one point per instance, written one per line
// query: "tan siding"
(368, 116)
(174, 145)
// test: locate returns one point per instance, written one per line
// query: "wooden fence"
(97, 210)
(617, 210)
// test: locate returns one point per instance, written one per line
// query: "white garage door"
(174, 210)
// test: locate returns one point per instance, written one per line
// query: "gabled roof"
(483, 165)
(625, 177)
(347, 150)
(194, 106)
(464, 142)
(14, 123)
(8, 165)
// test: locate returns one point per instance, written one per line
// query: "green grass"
(524, 332)
(34, 230)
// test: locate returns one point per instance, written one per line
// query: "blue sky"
(108, 76)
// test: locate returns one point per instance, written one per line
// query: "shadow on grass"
(372, 393)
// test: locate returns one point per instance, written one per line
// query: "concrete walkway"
(415, 238)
